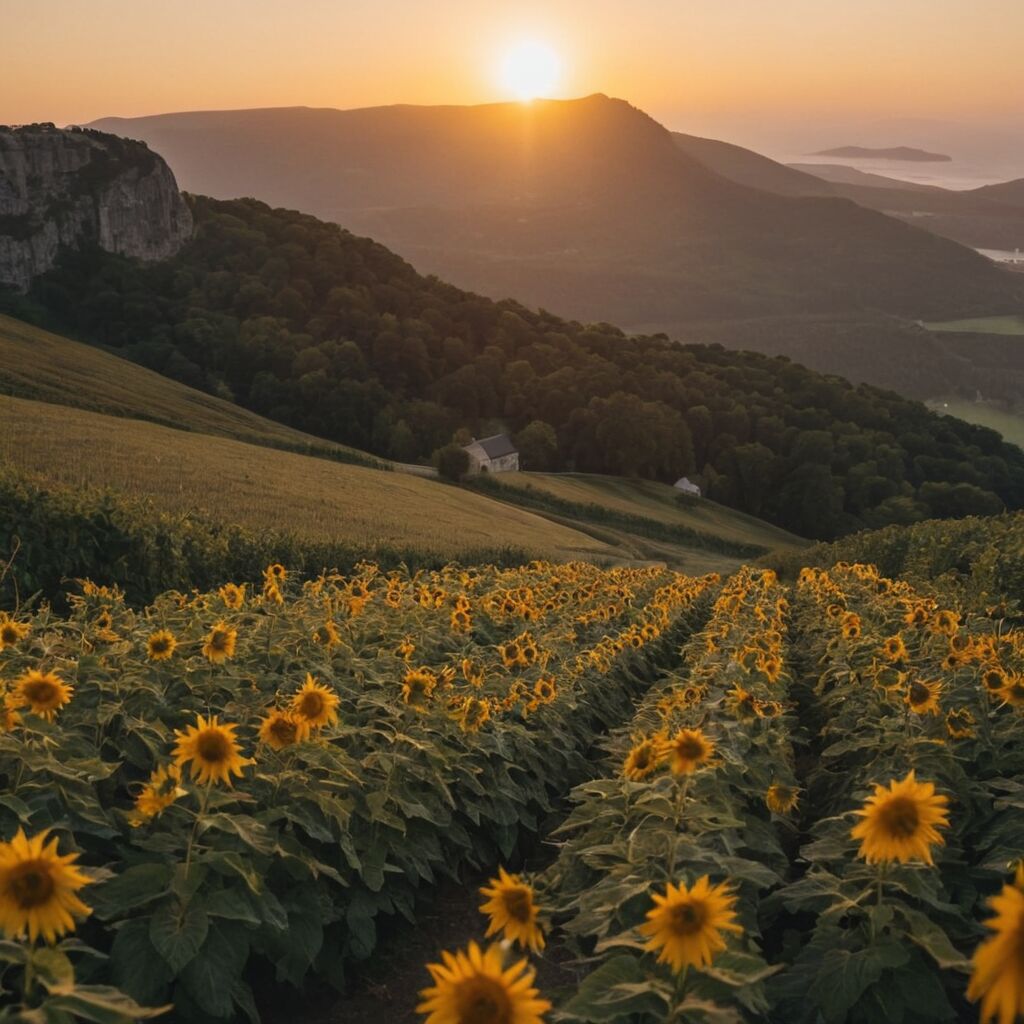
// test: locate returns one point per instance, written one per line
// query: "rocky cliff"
(69, 187)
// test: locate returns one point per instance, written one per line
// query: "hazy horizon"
(784, 81)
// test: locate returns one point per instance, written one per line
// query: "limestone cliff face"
(69, 187)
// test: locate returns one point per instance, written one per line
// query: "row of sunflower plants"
(266, 773)
(657, 883)
(912, 811)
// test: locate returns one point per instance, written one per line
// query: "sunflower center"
(686, 918)
(919, 693)
(690, 748)
(41, 691)
(284, 730)
(30, 884)
(642, 758)
(518, 905)
(213, 746)
(482, 1001)
(311, 705)
(900, 817)
(159, 645)
(9, 634)
(219, 640)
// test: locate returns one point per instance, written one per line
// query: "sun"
(530, 69)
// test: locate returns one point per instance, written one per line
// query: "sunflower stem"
(680, 990)
(203, 804)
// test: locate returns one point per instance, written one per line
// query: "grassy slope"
(267, 489)
(38, 365)
(656, 501)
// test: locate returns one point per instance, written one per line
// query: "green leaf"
(843, 976)
(934, 941)
(619, 988)
(101, 1004)
(53, 968)
(210, 977)
(134, 887)
(178, 932)
(135, 964)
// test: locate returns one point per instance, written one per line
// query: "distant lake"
(956, 174)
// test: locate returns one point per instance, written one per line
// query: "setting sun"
(530, 69)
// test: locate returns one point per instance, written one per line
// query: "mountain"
(72, 187)
(1009, 192)
(843, 175)
(586, 207)
(885, 153)
(302, 322)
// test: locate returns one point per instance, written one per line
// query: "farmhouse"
(495, 454)
(687, 486)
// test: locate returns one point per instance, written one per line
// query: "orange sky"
(75, 60)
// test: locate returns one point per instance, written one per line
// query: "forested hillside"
(335, 335)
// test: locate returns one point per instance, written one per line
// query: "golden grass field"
(267, 489)
(37, 364)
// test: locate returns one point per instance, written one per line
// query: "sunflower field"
(763, 800)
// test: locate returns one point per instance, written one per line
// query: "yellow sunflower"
(923, 697)
(894, 649)
(946, 622)
(998, 977)
(472, 672)
(327, 635)
(44, 693)
(545, 689)
(211, 749)
(417, 687)
(316, 704)
(642, 760)
(685, 926)
(220, 643)
(901, 822)
(473, 713)
(276, 572)
(512, 911)
(960, 724)
(1012, 691)
(162, 789)
(38, 888)
(280, 729)
(12, 632)
(233, 595)
(688, 750)
(741, 703)
(474, 987)
(781, 799)
(9, 717)
(160, 645)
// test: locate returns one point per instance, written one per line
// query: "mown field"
(46, 367)
(764, 799)
(981, 325)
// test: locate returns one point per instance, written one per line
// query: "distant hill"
(885, 153)
(843, 175)
(1008, 192)
(586, 207)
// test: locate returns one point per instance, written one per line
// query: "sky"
(725, 67)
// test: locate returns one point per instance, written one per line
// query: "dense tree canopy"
(307, 324)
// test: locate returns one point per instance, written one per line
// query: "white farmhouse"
(495, 454)
(687, 486)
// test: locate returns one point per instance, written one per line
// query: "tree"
(538, 446)
(451, 462)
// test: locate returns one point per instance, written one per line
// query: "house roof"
(497, 445)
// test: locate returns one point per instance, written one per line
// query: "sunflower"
(545, 690)
(512, 911)
(233, 595)
(212, 750)
(923, 698)
(9, 717)
(741, 704)
(993, 679)
(901, 822)
(894, 649)
(160, 645)
(473, 713)
(461, 621)
(162, 789)
(220, 643)
(315, 704)
(474, 987)
(327, 635)
(851, 625)
(781, 799)
(685, 925)
(472, 672)
(45, 693)
(406, 649)
(275, 572)
(280, 729)
(38, 888)
(1013, 691)
(960, 724)
(946, 622)
(688, 750)
(998, 978)
(641, 761)
(12, 632)
(417, 687)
